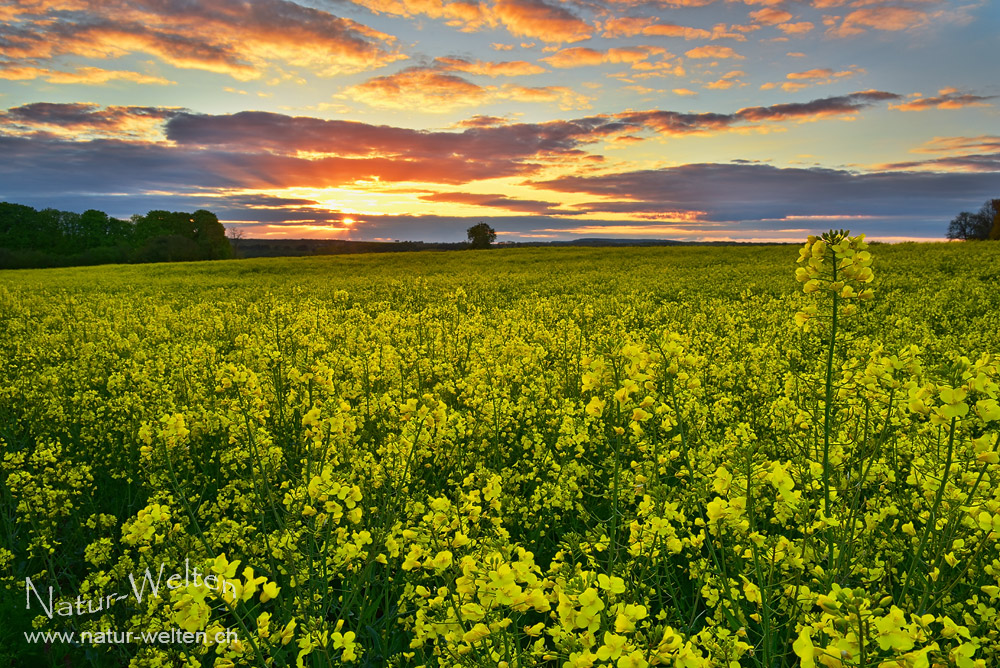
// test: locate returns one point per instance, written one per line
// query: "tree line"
(979, 226)
(52, 238)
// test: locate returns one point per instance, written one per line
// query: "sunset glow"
(414, 119)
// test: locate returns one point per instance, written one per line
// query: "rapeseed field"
(684, 457)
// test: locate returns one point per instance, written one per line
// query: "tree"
(235, 236)
(984, 224)
(481, 235)
(965, 226)
(210, 235)
(995, 226)
(93, 229)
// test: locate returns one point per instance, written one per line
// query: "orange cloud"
(628, 27)
(549, 22)
(800, 28)
(566, 98)
(892, 19)
(226, 36)
(93, 76)
(464, 15)
(431, 90)
(511, 68)
(676, 123)
(579, 56)
(816, 76)
(817, 73)
(482, 121)
(727, 81)
(960, 145)
(770, 16)
(497, 201)
(631, 26)
(83, 121)
(420, 88)
(947, 98)
(713, 52)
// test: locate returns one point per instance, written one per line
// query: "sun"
(348, 221)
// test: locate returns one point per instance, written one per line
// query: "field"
(529, 457)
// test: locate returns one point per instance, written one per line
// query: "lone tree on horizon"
(481, 235)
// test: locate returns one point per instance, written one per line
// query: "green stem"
(828, 412)
(932, 520)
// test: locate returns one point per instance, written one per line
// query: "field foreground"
(533, 457)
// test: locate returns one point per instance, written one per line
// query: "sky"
(698, 120)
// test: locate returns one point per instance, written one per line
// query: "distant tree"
(210, 235)
(50, 237)
(93, 229)
(994, 204)
(19, 226)
(481, 235)
(235, 235)
(964, 226)
(979, 226)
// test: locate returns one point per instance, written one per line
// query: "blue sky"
(413, 119)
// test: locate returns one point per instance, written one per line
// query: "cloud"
(92, 76)
(799, 28)
(629, 27)
(542, 20)
(566, 98)
(816, 73)
(887, 18)
(579, 56)
(756, 192)
(710, 51)
(68, 148)
(86, 121)
(78, 150)
(947, 98)
(983, 163)
(482, 121)
(432, 90)
(511, 68)
(488, 140)
(466, 16)
(968, 154)
(226, 36)
(814, 77)
(771, 16)
(672, 4)
(979, 144)
(418, 88)
(727, 81)
(498, 201)
(675, 123)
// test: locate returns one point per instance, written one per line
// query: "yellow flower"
(612, 647)
(803, 648)
(612, 584)
(269, 591)
(633, 660)
(595, 407)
